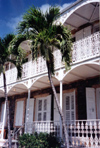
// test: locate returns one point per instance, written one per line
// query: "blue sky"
(11, 11)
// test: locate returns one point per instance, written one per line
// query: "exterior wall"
(80, 93)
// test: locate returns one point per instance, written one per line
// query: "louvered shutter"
(19, 113)
(43, 108)
(98, 102)
(72, 99)
(69, 106)
(90, 98)
(67, 103)
(40, 102)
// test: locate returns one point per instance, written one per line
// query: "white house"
(31, 101)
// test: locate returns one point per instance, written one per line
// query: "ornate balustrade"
(84, 133)
(86, 48)
(83, 49)
(43, 126)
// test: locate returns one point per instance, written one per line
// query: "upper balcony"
(84, 49)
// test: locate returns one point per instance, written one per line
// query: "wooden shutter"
(56, 112)
(43, 108)
(98, 102)
(69, 106)
(2, 114)
(90, 98)
(19, 113)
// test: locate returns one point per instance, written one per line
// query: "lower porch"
(81, 133)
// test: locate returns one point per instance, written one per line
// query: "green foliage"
(11, 53)
(42, 140)
(45, 35)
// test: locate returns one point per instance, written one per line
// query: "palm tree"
(17, 60)
(45, 36)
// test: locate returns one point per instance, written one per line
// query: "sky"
(11, 11)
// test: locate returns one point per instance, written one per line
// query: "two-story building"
(31, 101)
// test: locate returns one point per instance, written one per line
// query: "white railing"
(43, 126)
(84, 133)
(84, 49)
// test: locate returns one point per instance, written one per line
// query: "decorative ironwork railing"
(86, 48)
(83, 49)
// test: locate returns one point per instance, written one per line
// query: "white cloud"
(13, 22)
(45, 7)
(64, 6)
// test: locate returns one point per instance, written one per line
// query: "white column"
(61, 98)
(27, 110)
(4, 118)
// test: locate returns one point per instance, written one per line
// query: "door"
(90, 99)
(98, 102)
(87, 31)
(79, 35)
(69, 106)
(43, 114)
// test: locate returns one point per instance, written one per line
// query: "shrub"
(41, 140)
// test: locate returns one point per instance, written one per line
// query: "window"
(42, 109)
(43, 106)
(69, 106)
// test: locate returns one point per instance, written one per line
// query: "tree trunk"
(7, 110)
(59, 108)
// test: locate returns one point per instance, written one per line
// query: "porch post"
(4, 118)
(27, 111)
(61, 93)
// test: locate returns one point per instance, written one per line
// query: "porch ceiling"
(86, 14)
(1, 93)
(43, 82)
(82, 72)
(17, 89)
